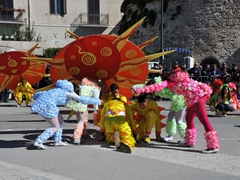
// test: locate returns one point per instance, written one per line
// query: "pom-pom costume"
(145, 119)
(222, 102)
(87, 88)
(46, 103)
(215, 85)
(196, 95)
(118, 125)
(233, 91)
(23, 88)
(175, 116)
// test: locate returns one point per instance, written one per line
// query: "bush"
(51, 52)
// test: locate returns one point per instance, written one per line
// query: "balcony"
(11, 16)
(90, 20)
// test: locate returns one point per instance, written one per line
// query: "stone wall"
(209, 28)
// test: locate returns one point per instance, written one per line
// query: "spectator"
(195, 72)
(205, 73)
(184, 67)
(160, 68)
(214, 73)
(224, 65)
(4, 95)
(224, 75)
(235, 73)
(175, 67)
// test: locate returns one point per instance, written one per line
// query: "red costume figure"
(196, 95)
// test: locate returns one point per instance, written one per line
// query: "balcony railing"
(11, 14)
(101, 19)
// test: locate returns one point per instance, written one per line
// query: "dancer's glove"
(96, 93)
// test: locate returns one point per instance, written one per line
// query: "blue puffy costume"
(47, 101)
(46, 104)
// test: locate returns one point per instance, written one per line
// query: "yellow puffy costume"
(116, 116)
(146, 118)
(23, 88)
(96, 116)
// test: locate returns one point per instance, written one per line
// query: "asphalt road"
(94, 160)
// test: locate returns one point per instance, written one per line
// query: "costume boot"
(58, 137)
(170, 129)
(190, 139)
(43, 137)
(211, 138)
(78, 131)
(181, 127)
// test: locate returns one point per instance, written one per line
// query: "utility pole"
(162, 46)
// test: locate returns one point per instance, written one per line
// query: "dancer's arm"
(151, 88)
(83, 99)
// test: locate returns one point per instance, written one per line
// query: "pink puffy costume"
(196, 95)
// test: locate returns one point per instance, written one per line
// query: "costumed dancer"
(46, 103)
(117, 122)
(196, 95)
(146, 116)
(215, 85)
(105, 96)
(222, 102)
(233, 91)
(23, 88)
(175, 116)
(86, 88)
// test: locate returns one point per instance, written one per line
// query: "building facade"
(50, 18)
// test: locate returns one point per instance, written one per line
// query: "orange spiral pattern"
(106, 51)
(74, 71)
(131, 54)
(101, 74)
(135, 71)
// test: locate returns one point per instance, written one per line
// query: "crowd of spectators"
(206, 73)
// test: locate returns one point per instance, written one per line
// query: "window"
(7, 12)
(93, 11)
(58, 7)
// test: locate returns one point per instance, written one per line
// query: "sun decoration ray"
(73, 35)
(143, 45)
(30, 51)
(5, 80)
(49, 61)
(142, 60)
(121, 40)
